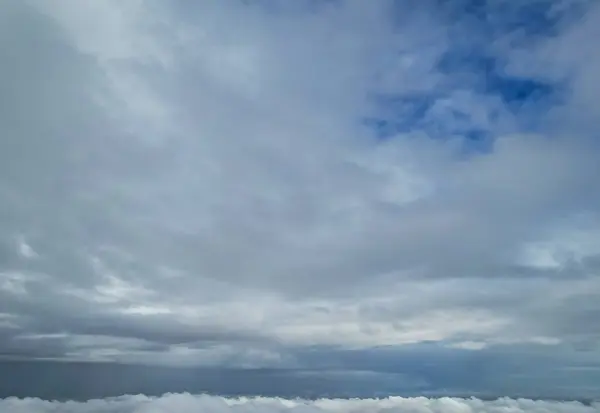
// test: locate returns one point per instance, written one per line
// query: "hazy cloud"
(231, 182)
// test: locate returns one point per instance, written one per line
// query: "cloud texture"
(186, 403)
(238, 183)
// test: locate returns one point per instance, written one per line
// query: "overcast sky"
(384, 187)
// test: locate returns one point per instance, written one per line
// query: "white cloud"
(186, 403)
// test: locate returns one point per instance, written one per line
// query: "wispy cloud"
(228, 182)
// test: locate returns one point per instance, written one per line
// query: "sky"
(383, 196)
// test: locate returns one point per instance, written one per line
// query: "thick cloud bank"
(186, 403)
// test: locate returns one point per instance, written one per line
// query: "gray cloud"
(187, 184)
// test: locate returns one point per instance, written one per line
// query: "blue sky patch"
(470, 65)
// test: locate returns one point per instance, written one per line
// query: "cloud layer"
(186, 403)
(232, 183)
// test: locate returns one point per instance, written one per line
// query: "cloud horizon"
(189, 403)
